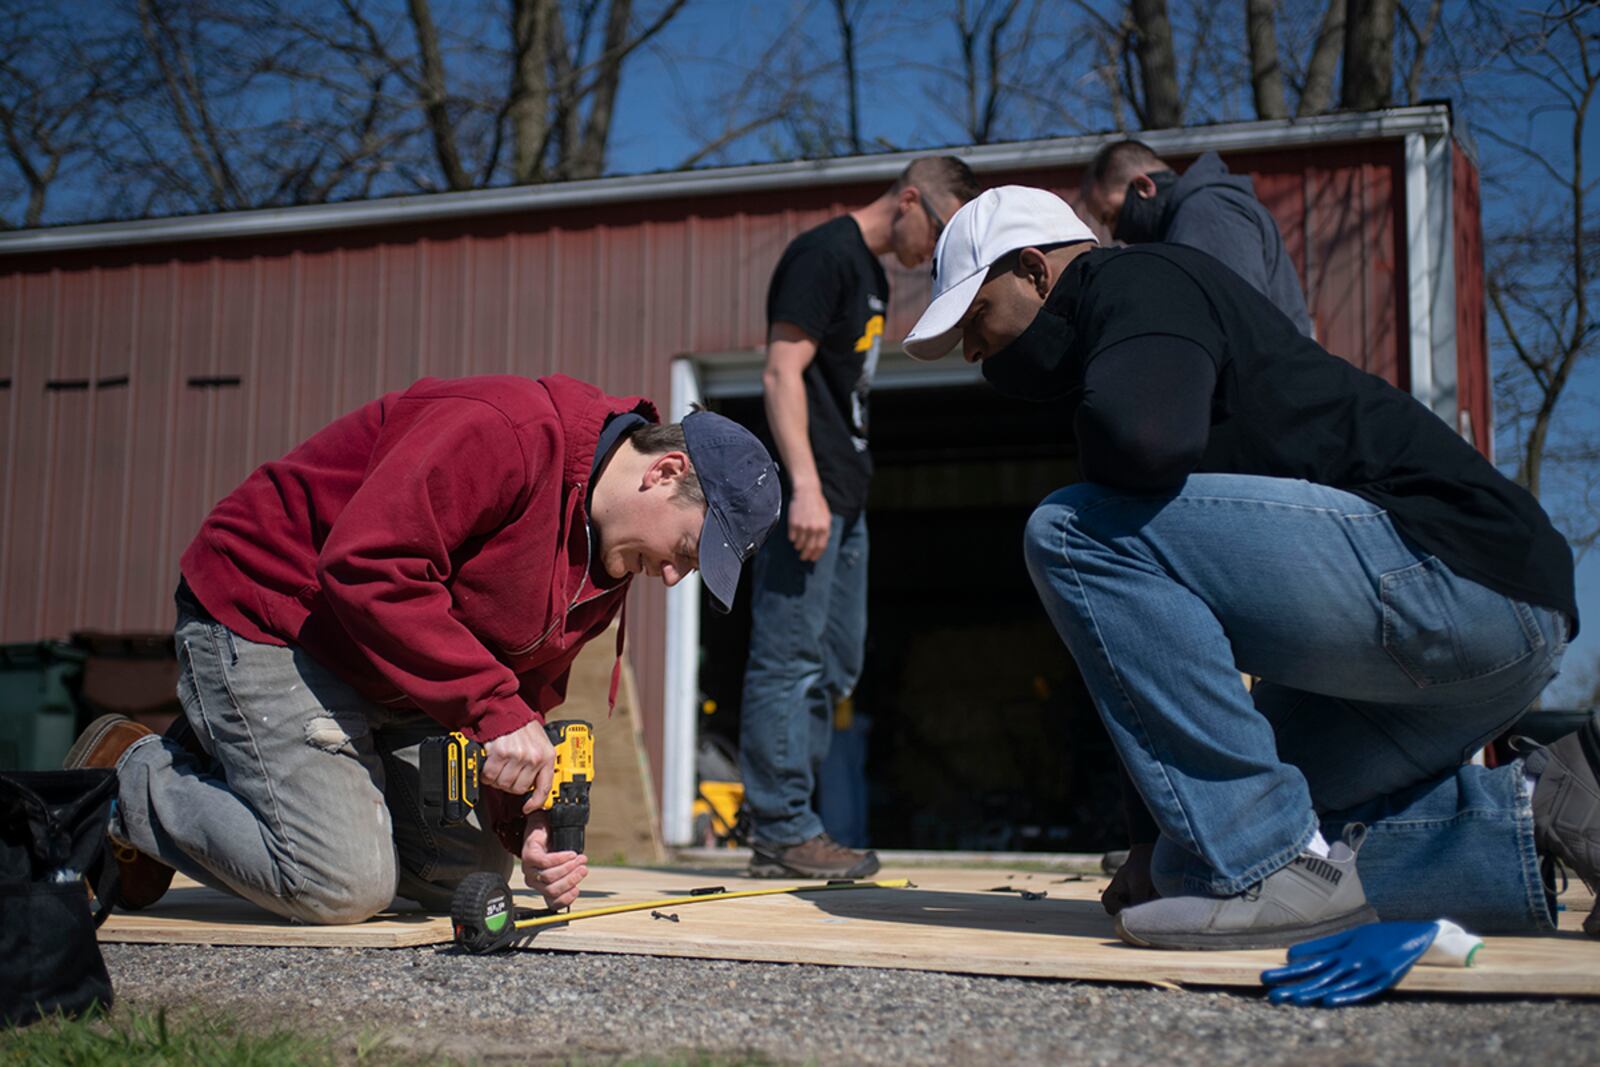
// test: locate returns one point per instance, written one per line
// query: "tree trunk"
(529, 114)
(589, 157)
(1318, 92)
(1266, 73)
(1163, 107)
(1369, 55)
(564, 102)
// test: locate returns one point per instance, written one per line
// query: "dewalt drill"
(450, 766)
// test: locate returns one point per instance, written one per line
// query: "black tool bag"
(58, 883)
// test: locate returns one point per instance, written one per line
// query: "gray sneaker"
(1311, 897)
(1566, 806)
(817, 857)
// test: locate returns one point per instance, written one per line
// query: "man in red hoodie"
(432, 561)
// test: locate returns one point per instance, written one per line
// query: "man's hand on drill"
(554, 875)
(521, 762)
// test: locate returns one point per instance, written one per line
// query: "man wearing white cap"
(1253, 503)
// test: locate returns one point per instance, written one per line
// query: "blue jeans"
(308, 805)
(807, 637)
(1381, 672)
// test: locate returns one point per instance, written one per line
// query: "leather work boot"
(143, 879)
(1566, 806)
(1311, 897)
(818, 857)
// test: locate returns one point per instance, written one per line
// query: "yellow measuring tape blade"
(678, 902)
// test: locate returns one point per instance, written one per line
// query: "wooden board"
(951, 921)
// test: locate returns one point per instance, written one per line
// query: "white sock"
(1318, 845)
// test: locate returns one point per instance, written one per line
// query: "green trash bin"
(38, 714)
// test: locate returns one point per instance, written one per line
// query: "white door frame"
(695, 378)
(679, 724)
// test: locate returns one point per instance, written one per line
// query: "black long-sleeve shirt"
(1185, 368)
(1146, 412)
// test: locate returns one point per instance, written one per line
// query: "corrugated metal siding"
(104, 485)
(1473, 398)
(1341, 211)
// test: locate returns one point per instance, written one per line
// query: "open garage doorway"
(970, 728)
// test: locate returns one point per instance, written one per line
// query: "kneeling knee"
(350, 896)
(1044, 536)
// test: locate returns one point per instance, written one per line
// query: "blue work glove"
(1349, 967)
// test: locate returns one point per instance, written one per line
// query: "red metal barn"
(147, 367)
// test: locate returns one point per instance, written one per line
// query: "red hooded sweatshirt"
(432, 548)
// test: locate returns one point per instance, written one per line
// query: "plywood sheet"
(952, 921)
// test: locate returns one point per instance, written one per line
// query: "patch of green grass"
(193, 1039)
(684, 1059)
(153, 1039)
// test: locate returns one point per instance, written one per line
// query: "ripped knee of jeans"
(325, 732)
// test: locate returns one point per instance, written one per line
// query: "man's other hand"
(810, 523)
(521, 762)
(554, 875)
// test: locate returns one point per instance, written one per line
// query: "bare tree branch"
(1420, 36)
(436, 98)
(1540, 277)
(847, 51)
(188, 104)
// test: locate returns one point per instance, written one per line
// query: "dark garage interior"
(970, 728)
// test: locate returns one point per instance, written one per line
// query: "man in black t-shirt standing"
(825, 313)
(1253, 503)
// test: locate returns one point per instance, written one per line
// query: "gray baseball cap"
(743, 499)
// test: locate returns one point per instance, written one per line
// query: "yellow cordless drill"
(450, 766)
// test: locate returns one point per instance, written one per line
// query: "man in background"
(825, 314)
(1139, 199)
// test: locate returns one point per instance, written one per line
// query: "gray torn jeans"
(308, 806)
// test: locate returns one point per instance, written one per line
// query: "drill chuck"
(569, 815)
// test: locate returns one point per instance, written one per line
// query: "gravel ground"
(545, 1006)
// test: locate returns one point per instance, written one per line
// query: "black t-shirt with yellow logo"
(830, 285)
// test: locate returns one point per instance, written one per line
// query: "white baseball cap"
(997, 222)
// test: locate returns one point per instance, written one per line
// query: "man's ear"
(1034, 266)
(667, 468)
(1142, 185)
